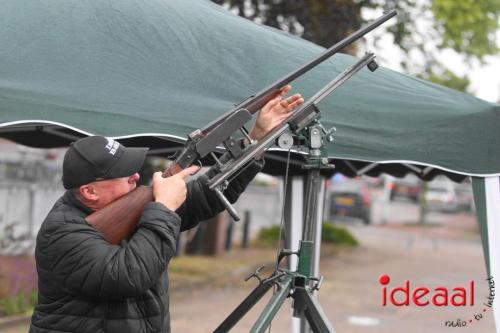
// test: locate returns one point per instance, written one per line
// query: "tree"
(423, 28)
(311, 19)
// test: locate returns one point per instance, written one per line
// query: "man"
(85, 284)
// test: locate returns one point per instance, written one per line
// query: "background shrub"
(18, 284)
(337, 235)
(329, 234)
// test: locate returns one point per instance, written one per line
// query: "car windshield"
(347, 186)
(409, 179)
(438, 189)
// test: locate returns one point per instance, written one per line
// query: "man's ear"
(89, 192)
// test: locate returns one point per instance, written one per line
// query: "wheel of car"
(366, 218)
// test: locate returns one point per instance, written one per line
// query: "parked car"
(350, 198)
(441, 196)
(465, 198)
(407, 187)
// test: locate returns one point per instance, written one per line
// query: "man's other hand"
(274, 112)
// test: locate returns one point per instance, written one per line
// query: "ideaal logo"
(423, 296)
(439, 296)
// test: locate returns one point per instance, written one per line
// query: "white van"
(441, 196)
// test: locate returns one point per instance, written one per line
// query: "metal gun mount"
(306, 115)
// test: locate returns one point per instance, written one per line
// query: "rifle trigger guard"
(197, 162)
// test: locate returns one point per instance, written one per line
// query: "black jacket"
(86, 284)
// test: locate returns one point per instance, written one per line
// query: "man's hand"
(171, 191)
(274, 112)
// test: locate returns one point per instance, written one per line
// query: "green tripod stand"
(298, 284)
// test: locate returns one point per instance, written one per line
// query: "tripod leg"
(244, 307)
(273, 306)
(314, 313)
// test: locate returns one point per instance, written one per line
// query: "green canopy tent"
(150, 72)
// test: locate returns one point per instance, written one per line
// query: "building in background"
(30, 183)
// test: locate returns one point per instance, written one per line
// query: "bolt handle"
(230, 209)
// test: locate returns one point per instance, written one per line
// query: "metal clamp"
(285, 253)
(256, 274)
(318, 283)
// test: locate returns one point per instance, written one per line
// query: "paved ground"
(351, 293)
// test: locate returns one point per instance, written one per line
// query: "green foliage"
(268, 236)
(261, 182)
(329, 234)
(310, 19)
(448, 79)
(19, 304)
(421, 30)
(468, 26)
(337, 235)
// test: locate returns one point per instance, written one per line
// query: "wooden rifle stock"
(117, 220)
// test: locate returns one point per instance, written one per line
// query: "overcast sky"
(485, 78)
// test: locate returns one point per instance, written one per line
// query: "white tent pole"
(492, 194)
(319, 224)
(294, 218)
(487, 199)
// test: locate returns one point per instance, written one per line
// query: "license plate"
(342, 201)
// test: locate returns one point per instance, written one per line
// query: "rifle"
(119, 219)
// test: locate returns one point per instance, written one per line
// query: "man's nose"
(134, 178)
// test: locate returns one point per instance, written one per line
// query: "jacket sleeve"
(202, 204)
(88, 265)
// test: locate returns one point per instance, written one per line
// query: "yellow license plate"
(345, 201)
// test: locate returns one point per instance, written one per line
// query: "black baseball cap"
(98, 157)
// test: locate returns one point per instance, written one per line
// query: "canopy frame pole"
(350, 166)
(47, 128)
(426, 170)
(487, 200)
(367, 168)
(413, 168)
(55, 132)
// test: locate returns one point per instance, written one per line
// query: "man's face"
(111, 189)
